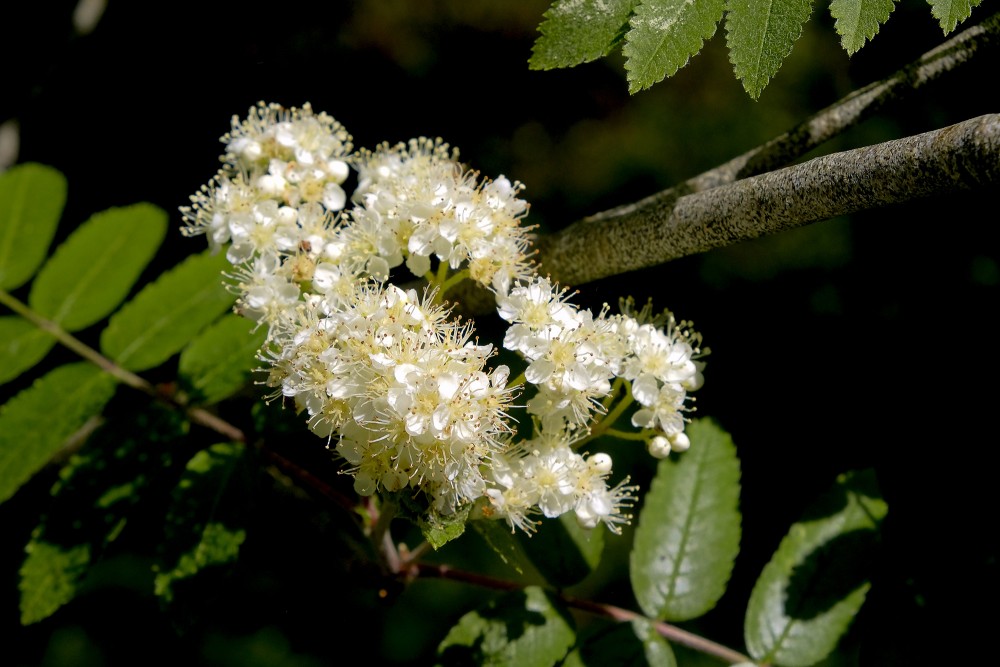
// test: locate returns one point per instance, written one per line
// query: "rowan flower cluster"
(401, 390)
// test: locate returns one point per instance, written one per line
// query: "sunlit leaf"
(578, 31)
(22, 345)
(688, 533)
(168, 313)
(564, 552)
(664, 35)
(816, 581)
(220, 361)
(760, 34)
(858, 20)
(31, 201)
(91, 504)
(635, 644)
(93, 271)
(201, 530)
(38, 421)
(950, 13)
(527, 628)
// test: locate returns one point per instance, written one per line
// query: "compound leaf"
(578, 31)
(689, 528)
(816, 581)
(93, 271)
(950, 13)
(168, 313)
(858, 20)
(31, 200)
(22, 345)
(219, 362)
(200, 529)
(37, 422)
(664, 36)
(527, 628)
(760, 34)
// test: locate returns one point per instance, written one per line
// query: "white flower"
(399, 387)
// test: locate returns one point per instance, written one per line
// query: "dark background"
(867, 341)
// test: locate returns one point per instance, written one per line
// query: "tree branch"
(961, 157)
(675, 222)
(831, 121)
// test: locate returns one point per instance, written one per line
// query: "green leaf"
(93, 271)
(564, 552)
(655, 649)
(501, 541)
(439, 530)
(578, 31)
(50, 577)
(664, 36)
(858, 20)
(22, 345)
(91, 503)
(168, 313)
(220, 361)
(31, 201)
(527, 628)
(200, 531)
(635, 644)
(760, 34)
(689, 528)
(950, 13)
(38, 421)
(816, 581)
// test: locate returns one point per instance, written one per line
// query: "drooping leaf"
(816, 581)
(220, 361)
(564, 552)
(688, 533)
(201, 528)
(91, 502)
(950, 13)
(168, 313)
(760, 34)
(22, 345)
(37, 422)
(31, 201)
(578, 31)
(634, 644)
(93, 271)
(527, 628)
(664, 36)
(858, 20)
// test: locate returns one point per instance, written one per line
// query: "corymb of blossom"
(399, 388)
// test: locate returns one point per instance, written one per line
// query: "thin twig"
(197, 415)
(671, 632)
(303, 477)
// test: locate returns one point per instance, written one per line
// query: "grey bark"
(960, 157)
(717, 208)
